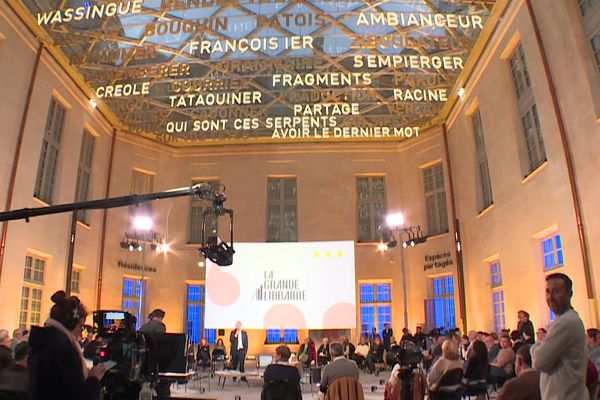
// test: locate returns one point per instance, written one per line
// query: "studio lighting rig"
(213, 248)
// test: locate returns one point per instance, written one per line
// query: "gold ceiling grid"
(120, 53)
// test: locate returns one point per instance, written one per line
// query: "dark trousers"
(238, 356)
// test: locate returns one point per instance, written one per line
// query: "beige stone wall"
(525, 209)
(46, 236)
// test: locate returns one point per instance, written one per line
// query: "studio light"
(382, 246)
(394, 220)
(140, 248)
(142, 223)
(131, 248)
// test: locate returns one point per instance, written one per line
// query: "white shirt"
(238, 335)
(562, 359)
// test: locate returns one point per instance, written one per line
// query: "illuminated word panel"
(187, 71)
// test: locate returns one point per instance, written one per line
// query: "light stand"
(394, 223)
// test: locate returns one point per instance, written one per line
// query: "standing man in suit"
(387, 334)
(239, 347)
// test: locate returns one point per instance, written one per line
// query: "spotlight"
(140, 248)
(382, 246)
(404, 244)
(201, 263)
(461, 92)
(131, 247)
(93, 103)
(412, 243)
(165, 247)
(142, 223)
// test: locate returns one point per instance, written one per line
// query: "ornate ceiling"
(189, 72)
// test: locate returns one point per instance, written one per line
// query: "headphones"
(74, 314)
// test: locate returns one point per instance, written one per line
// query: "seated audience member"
(375, 354)
(219, 350)
(15, 379)
(526, 386)
(502, 367)
(492, 346)
(348, 347)
(447, 362)
(281, 370)
(393, 387)
(420, 338)
(464, 347)
(436, 349)
(6, 359)
(517, 342)
(593, 345)
(323, 354)
(203, 353)
(373, 335)
(391, 356)
(16, 339)
(306, 353)
(406, 335)
(362, 351)
(339, 368)
(56, 366)
(541, 334)
(476, 366)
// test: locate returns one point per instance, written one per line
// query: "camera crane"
(221, 253)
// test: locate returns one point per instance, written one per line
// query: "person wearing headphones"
(56, 365)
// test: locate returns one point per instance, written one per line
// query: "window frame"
(376, 206)
(281, 336)
(45, 182)
(556, 252)
(134, 298)
(448, 302)
(282, 204)
(370, 299)
(436, 205)
(485, 196)
(532, 149)
(200, 303)
(84, 174)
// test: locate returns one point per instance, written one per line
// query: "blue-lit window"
(290, 335)
(376, 307)
(443, 302)
(437, 287)
(275, 336)
(496, 273)
(196, 314)
(131, 299)
(383, 292)
(552, 252)
(366, 293)
(448, 285)
(498, 302)
(383, 316)
(367, 319)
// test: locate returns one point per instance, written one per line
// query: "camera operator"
(57, 369)
(154, 324)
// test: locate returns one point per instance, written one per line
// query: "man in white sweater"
(561, 357)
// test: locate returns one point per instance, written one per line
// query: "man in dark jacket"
(15, 379)
(239, 347)
(154, 324)
(387, 334)
(525, 326)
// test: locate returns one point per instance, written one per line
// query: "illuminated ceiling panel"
(189, 72)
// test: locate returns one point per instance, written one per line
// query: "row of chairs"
(451, 387)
